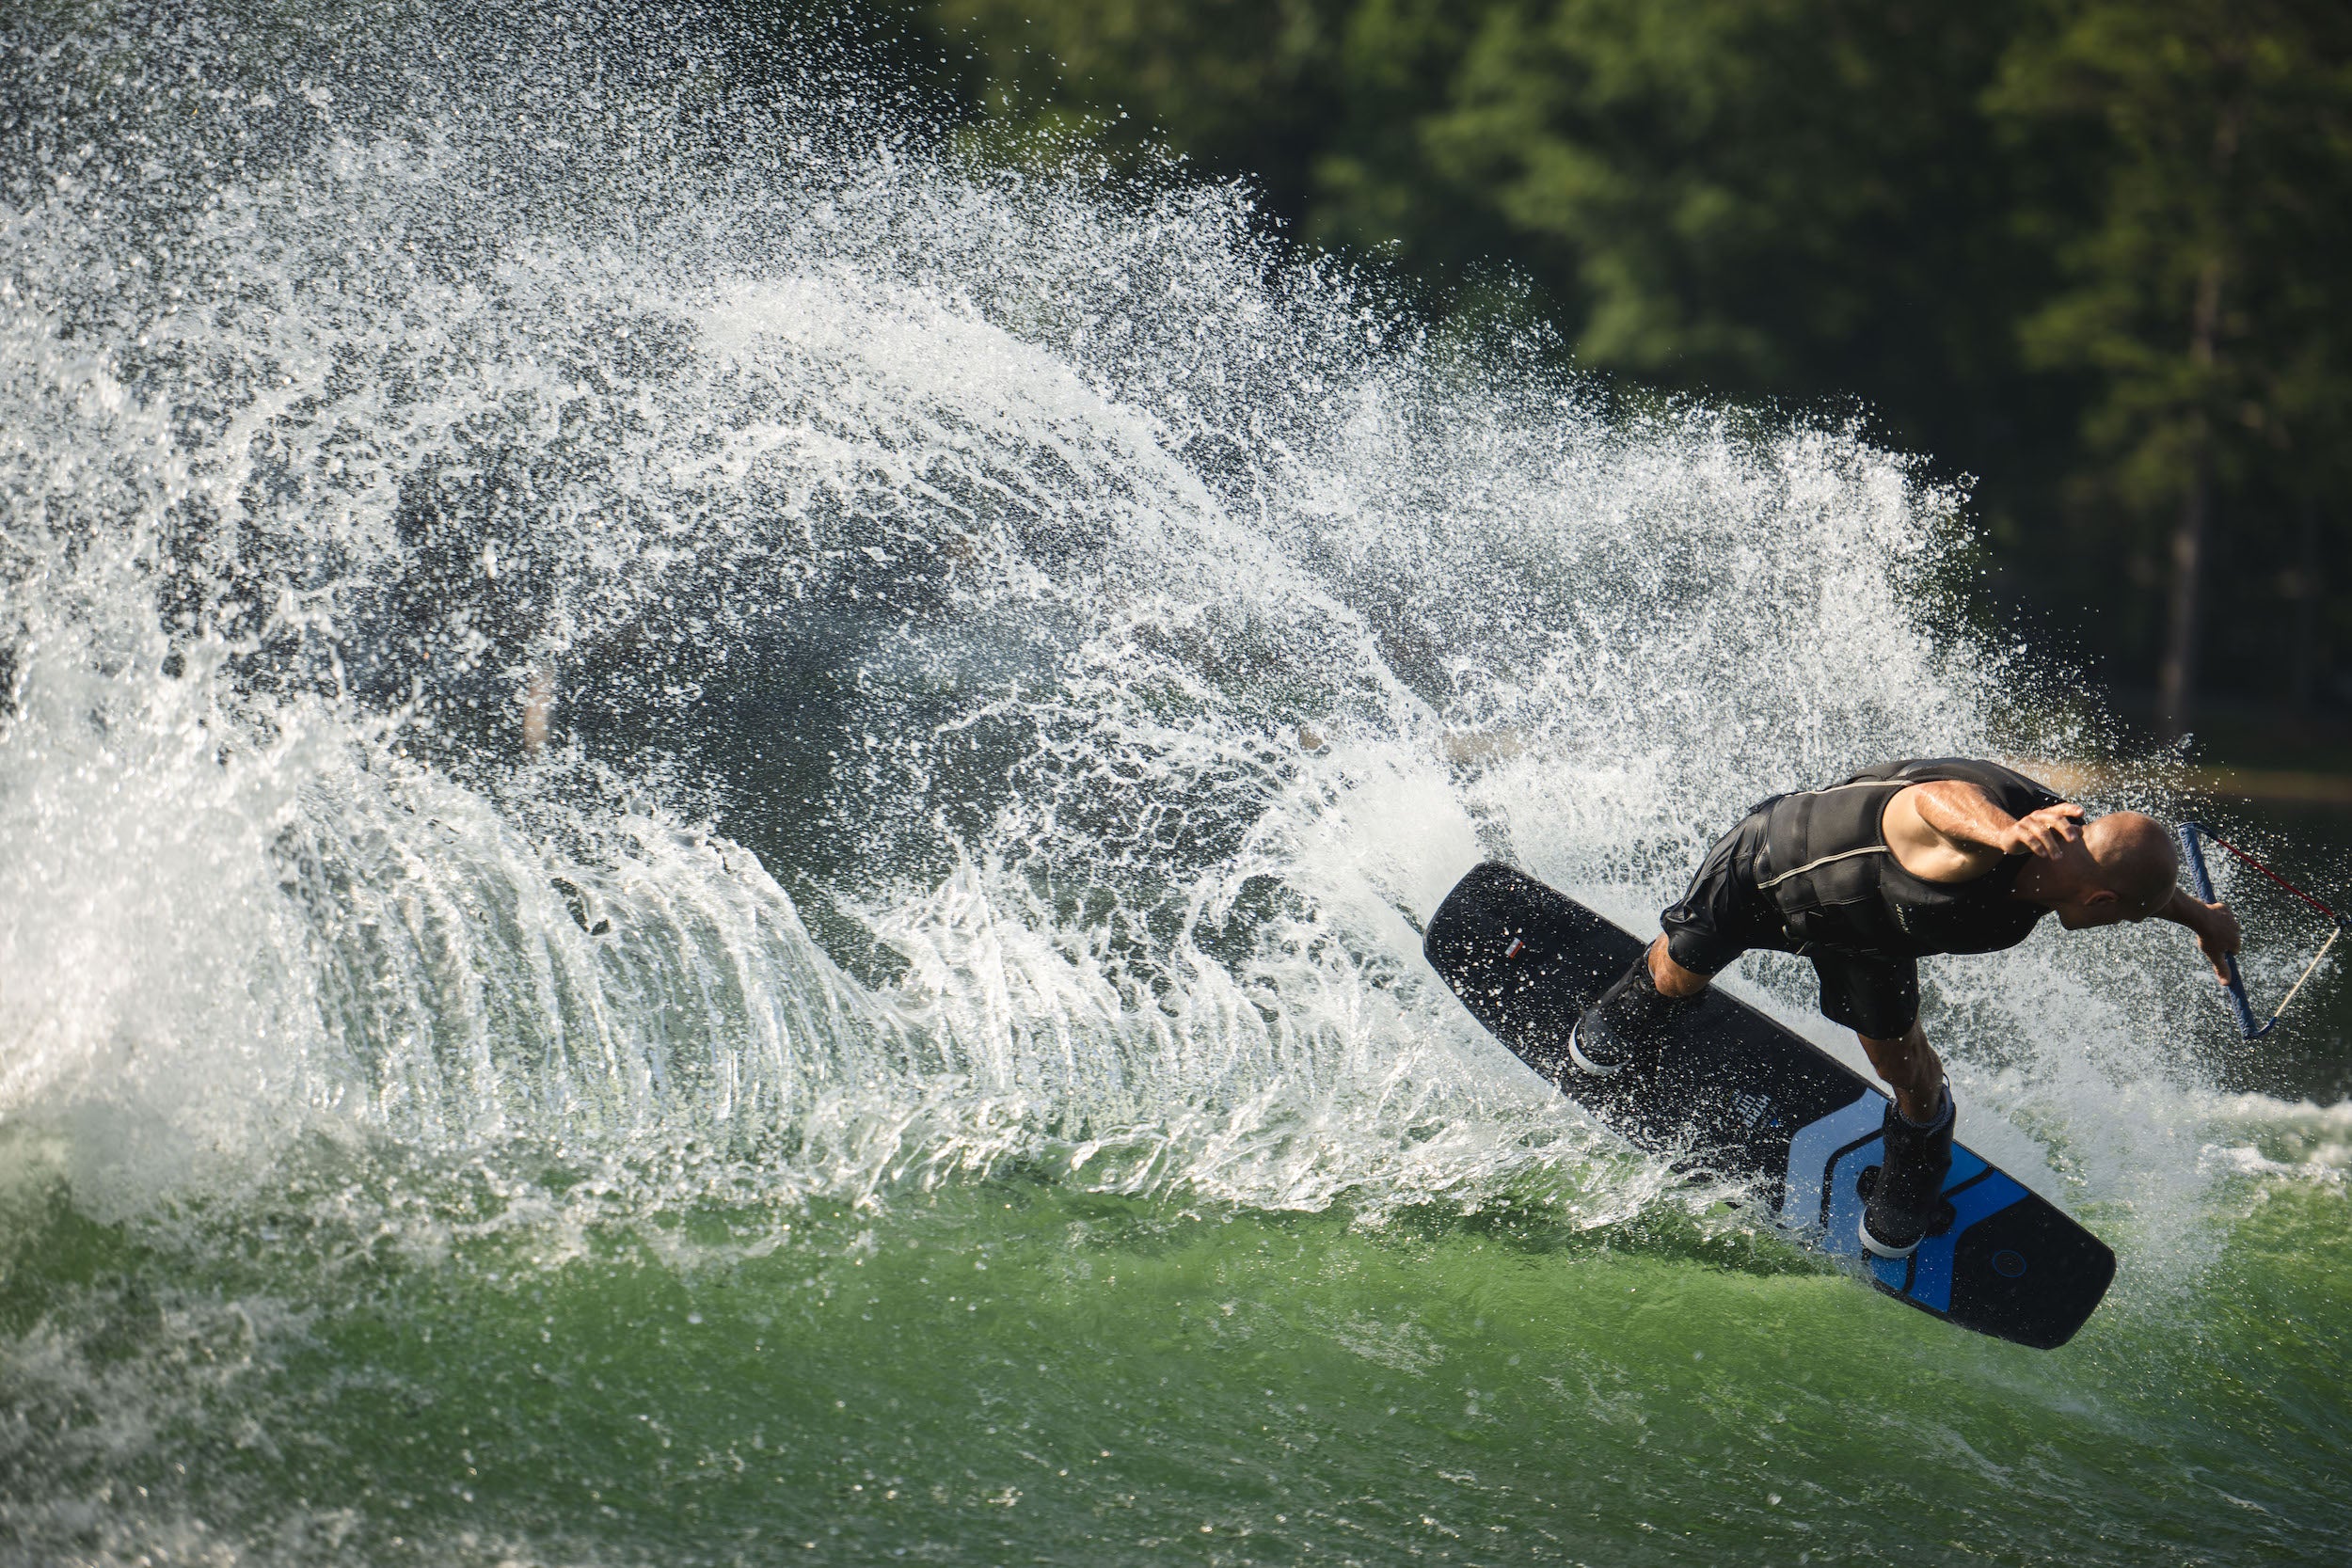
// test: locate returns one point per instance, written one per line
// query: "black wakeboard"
(1738, 1096)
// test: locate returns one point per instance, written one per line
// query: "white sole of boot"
(1584, 1064)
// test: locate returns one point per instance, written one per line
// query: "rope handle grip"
(2204, 882)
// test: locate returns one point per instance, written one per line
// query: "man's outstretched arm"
(2217, 929)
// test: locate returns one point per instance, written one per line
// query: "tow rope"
(2190, 834)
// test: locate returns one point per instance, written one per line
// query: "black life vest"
(1823, 863)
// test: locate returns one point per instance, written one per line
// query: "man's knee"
(1669, 977)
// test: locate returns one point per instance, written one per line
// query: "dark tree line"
(2092, 252)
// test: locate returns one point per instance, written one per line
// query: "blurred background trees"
(2204, 279)
(2090, 252)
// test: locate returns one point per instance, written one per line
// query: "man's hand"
(2045, 832)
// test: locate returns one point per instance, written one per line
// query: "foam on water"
(1027, 656)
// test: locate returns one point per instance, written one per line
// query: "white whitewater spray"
(1019, 656)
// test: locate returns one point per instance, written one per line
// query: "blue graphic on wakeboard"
(1826, 1160)
(1809, 1154)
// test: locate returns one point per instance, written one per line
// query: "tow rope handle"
(2203, 880)
(2190, 834)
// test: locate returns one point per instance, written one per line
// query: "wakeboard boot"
(1625, 1026)
(1903, 1199)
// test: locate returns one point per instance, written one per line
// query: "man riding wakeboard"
(1865, 878)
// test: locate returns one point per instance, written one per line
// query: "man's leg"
(1669, 977)
(1905, 1202)
(1910, 1068)
(1707, 928)
(1879, 1000)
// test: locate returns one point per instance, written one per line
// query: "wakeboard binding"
(1626, 1025)
(1903, 1199)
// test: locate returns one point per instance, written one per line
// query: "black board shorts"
(1722, 915)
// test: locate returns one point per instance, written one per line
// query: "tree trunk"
(2176, 678)
(2305, 678)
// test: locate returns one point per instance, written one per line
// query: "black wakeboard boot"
(1624, 1028)
(1904, 1199)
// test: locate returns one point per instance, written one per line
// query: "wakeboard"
(1740, 1098)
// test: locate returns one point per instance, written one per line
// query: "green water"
(1011, 1371)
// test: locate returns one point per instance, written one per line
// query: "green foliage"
(1764, 197)
(2088, 251)
(1238, 87)
(2205, 277)
(1748, 198)
(2207, 147)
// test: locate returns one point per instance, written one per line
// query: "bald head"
(2136, 859)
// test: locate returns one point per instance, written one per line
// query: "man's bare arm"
(2215, 928)
(1968, 820)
